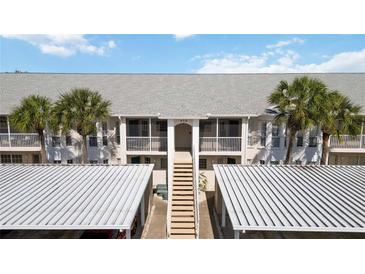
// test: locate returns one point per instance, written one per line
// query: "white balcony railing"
(146, 143)
(347, 141)
(19, 140)
(207, 144)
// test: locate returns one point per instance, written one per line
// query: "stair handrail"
(196, 195)
(170, 180)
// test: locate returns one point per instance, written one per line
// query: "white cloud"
(281, 44)
(282, 61)
(64, 45)
(179, 37)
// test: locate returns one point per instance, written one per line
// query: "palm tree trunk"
(84, 150)
(325, 140)
(289, 158)
(43, 147)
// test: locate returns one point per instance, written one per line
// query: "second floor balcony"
(219, 144)
(137, 143)
(19, 141)
(347, 142)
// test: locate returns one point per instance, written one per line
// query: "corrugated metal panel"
(296, 198)
(71, 197)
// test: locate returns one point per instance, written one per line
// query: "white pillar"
(217, 135)
(142, 211)
(170, 150)
(150, 133)
(223, 213)
(8, 123)
(244, 140)
(268, 134)
(128, 234)
(236, 234)
(195, 142)
(123, 140)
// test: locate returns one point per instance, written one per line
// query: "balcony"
(347, 142)
(220, 144)
(19, 140)
(147, 144)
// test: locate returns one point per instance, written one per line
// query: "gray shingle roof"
(171, 95)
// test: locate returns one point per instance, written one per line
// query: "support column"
(170, 150)
(236, 234)
(244, 140)
(123, 140)
(128, 234)
(217, 134)
(142, 211)
(223, 213)
(8, 123)
(150, 132)
(195, 143)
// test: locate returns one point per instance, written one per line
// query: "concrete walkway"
(208, 221)
(155, 227)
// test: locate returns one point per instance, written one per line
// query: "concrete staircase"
(182, 210)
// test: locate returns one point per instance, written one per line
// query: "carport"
(291, 198)
(73, 197)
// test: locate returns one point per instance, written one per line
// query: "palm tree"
(335, 114)
(33, 114)
(80, 109)
(292, 106)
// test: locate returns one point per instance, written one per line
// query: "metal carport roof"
(293, 198)
(72, 196)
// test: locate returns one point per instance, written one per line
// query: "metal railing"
(347, 141)
(146, 143)
(19, 140)
(196, 194)
(220, 144)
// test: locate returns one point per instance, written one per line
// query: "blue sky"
(182, 53)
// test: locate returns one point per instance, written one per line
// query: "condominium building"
(217, 118)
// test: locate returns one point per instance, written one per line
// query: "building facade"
(218, 118)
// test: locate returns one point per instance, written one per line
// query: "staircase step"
(183, 231)
(182, 225)
(177, 174)
(183, 179)
(182, 208)
(183, 188)
(182, 237)
(182, 219)
(183, 165)
(189, 170)
(183, 198)
(178, 203)
(180, 192)
(183, 183)
(182, 213)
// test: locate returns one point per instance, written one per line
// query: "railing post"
(8, 123)
(150, 132)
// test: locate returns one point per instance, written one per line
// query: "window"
(203, 163)
(158, 128)
(136, 160)
(105, 140)
(17, 159)
(273, 163)
(147, 160)
(262, 162)
(229, 128)
(163, 163)
(3, 124)
(312, 141)
(106, 161)
(36, 159)
(207, 128)
(93, 141)
(298, 162)
(104, 127)
(70, 161)
(93, 162)
(263, 134)
(56, 141)
(57, 161)
(231, 161)
(117, 132)
(68, 140)
(137, 127)
(299, 140)
(311, 163)
(275, 139)
(5, 158)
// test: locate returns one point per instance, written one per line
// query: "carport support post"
(223, 214)
(142, 211)
(128, 233)
(236, 234)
